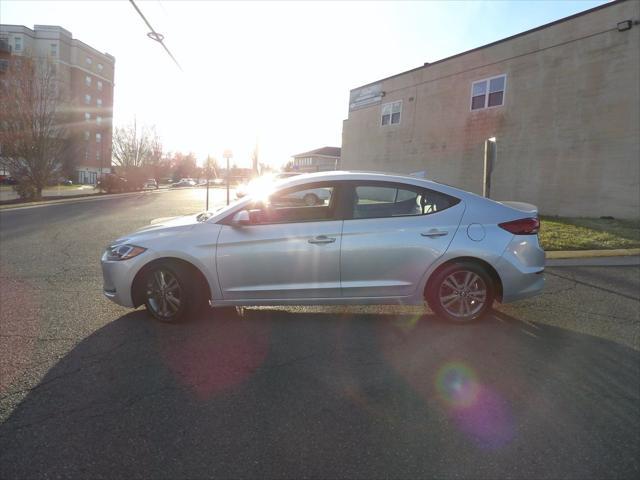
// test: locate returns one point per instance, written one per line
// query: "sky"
(272, 74)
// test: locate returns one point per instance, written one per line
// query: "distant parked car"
(9, 181)
(378, 239)
(151, 183)
(112, 183)
(184, 183)
(264, 183)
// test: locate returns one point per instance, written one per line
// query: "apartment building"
(318, 160)
(86, 74)
(562, 102)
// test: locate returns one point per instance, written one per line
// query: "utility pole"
(227, 154)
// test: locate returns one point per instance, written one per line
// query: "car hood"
(160, 227)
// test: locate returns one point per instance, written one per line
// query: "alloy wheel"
(463, 294)
(164, 294)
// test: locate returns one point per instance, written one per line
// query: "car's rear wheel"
(311, 199)
(461, 292)
(169, 295)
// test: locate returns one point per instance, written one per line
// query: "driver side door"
(290, 249)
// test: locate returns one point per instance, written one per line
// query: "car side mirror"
(241, 218)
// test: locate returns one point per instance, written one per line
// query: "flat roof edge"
(502, 40)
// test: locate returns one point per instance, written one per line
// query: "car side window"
(379, 201)
(297, 204)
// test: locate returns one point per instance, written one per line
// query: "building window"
(99, 120)
(391, 113)
(99, 102)
(100, 67)
(99, 85)
(488, 92)
(88, 61)
(87, 116)
(87, 99)
(54, 49)
(87, 81)
(86, 136)
(17, 42)
(98, 155)
(98, 137)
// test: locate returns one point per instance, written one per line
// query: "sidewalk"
(8, 194)
(72, 199)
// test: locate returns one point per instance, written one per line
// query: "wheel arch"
(497, 281)
(137, 286)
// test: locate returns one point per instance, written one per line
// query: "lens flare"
(456, 385)
(477, 410)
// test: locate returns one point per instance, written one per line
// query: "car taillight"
(523, 226)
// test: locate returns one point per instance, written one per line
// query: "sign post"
(207, 177)
(227, 154)
(489, 162)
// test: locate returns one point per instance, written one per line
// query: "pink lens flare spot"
(488, 421)
(217, 356)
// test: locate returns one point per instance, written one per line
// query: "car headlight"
(123, 251)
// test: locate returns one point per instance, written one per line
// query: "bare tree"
(33, 133)
(136, 147)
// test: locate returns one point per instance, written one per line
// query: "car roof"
(337, 175)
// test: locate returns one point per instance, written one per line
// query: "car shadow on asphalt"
(271, 393)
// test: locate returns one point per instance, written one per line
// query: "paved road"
(546, 388)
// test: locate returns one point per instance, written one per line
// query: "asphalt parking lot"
(544, 388)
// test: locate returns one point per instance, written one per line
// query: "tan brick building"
(86, 75)
(318, 160)
(561, 100)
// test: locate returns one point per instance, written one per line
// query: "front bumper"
(118, 276)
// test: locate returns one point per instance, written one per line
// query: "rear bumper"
(521, 268)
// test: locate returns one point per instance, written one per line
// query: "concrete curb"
(628, 261)
(621, 252)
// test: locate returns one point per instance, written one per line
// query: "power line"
(153, 35)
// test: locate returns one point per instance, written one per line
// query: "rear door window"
(397, 200)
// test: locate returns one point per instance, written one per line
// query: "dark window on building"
(391, 113)
(488, 92)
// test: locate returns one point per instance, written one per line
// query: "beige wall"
(568, 134)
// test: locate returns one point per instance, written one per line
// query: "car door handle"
(322, 239)
(434, 233)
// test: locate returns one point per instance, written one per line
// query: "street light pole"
(227, 154)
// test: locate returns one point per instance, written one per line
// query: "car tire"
(461, 293)
(170, 294)
(310, 199)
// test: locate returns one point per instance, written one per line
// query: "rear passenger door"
(392, 233)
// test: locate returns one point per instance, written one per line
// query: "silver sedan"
(370, 238)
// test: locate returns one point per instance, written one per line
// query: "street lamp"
(227, 154)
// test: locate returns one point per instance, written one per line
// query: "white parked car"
(373, 238)
(151, 183)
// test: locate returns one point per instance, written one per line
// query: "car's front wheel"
(168, 296)
(461, 292)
